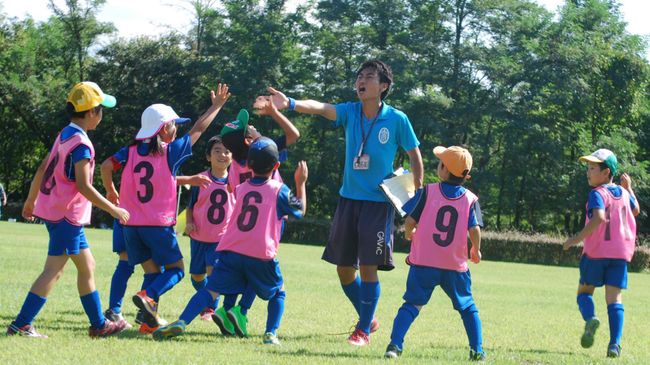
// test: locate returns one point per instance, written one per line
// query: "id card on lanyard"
(362, 160)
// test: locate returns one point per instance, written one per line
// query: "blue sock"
(199, 300)
(198, 285)
(405, 316)
(616, 315)
(247, 299)
(165, 281)
(147, 280)
(229, 301)
(214, 304)
(472, 324)
(369, 298)
(32, 305)
(586, 306)
(121, 277)
(352, 291)
(275, 310)
(93, 308)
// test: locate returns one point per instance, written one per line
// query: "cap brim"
(439, 150)
(590, 158)
(109, 101)
(182, 120)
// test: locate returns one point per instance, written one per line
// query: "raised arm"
(300, 176)
(281, 101)
(28, 207)
(217, 99)
(626, 183)
(266, 107)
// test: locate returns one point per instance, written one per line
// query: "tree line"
(526, 90)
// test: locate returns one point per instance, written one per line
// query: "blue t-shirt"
(178, 152)
(194, 190)
(595, 200)
(81, 152)
(415, 205)
(392, 129)
(288, 204)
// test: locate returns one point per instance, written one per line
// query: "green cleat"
(239, 321)
(170, 331)
(221, 319)
(614, 350)
(271, 339)
(591, 326)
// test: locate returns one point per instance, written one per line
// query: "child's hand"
(190, 227)
(121, 214)
(408, 234)
(113, 197)
(301, 173)
(626, 182)
(280, 100)
(221, 96)
(265, 105)
(569, 242)
(28, 210)
(475, 255)
(199, 180)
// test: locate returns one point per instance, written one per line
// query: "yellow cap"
(457, 159)
(87, 95)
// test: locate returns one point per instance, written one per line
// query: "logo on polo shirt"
(384, 135)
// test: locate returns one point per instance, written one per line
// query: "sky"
(151, 17)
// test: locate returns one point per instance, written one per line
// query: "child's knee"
(198, 277)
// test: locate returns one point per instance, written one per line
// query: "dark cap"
(263, 155)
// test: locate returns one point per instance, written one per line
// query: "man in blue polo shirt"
(361, 236)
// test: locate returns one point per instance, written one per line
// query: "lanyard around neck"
(364, 136)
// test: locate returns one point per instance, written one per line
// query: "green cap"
(604, 156)
(240, 124)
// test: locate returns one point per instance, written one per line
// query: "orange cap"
(457, 159)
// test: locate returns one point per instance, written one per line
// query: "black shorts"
(361, 234)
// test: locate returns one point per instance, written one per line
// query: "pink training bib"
(148, 189)
(254, 228)
(615, 238)
(58, 197)
(440, 239)
(212, 211)
(238, 174)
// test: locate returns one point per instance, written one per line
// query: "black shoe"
(476, 356)
(392, 352)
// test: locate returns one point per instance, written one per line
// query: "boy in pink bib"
(248, 249)
(444, 214)
(609, 239)
(62, 194)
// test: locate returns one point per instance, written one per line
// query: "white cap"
(155, 117)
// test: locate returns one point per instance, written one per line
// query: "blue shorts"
(599, 272)
(157, 243)
(202, 254)
(361, 234)
(422, 280)
(119, 243)
(65, 238)
(233, 272)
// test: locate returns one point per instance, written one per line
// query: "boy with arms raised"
(609, 238)
(438, 254)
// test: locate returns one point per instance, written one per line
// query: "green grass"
(529, 315)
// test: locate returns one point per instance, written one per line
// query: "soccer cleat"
(110, 328)
(591, 326)
(221, 319)
(239, 321)
(146, 330)
(476, 356)
(392, 352)
(614, 350)
(116, 317)
(206, 314)
(27, 330)
(149, 308)
(358, 338)
(374, 325)
(271, 339)
(170, 331)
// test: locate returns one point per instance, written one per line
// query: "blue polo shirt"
(392, 129)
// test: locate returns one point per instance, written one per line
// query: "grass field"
(528, 311)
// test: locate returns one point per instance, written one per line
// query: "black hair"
(603, 166)
(211, 142)
(453, 179)
(234, 142)
(384, 72)
(69, 110)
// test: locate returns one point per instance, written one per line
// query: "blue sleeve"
(475, 216)
(178, 152)
(122, 155)
(632, 202)
(81, 152)
(342, 114)
(595, 201)
(288, 204)
(415, 205)
(194, 196)
(281, 142)
(406, 137)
